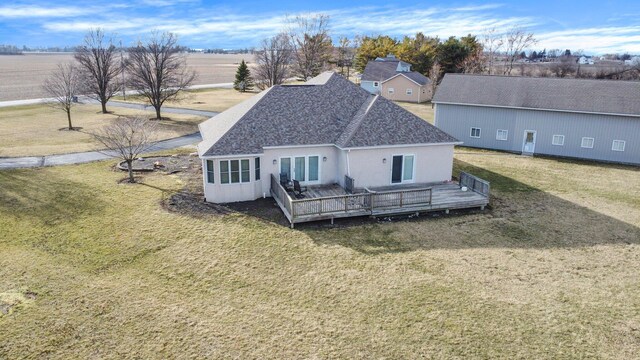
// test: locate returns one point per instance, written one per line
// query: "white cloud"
(23, 11)
(207, 27)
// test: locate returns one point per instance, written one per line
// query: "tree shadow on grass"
(521, 217)
(46, 197)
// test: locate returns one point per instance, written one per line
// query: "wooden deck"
(332, 201)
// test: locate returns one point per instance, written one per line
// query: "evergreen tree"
(243, 80)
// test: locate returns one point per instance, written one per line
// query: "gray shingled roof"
(417, 77)
(575, 95)
(334, 112)
(379, 70)
(383, 70)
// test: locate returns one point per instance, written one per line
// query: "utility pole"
(124, 96)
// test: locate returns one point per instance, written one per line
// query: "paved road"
(84, 157)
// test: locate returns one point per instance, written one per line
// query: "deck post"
(331, 221)
(371, 200)
(401, 193)
(446, 211)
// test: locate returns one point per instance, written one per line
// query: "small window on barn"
(210, 178)
(558, 140)
(475, 132)
(618, 145)
(587, 142)
(376, 84)
(409, 91)
(502, 135)
(391, 91)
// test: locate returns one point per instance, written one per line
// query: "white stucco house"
(325, 132)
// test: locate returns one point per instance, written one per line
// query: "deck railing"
(280, 194)
(400, 198)
(358, 204)
(475, 184)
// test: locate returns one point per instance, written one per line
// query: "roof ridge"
(356, 121)
(551, 78)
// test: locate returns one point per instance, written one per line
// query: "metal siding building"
(541, 126)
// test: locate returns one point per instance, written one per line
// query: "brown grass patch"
(33, 130)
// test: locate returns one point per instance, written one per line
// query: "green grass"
(551, 271)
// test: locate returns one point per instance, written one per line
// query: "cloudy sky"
(593, 26)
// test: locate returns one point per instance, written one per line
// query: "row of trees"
(156, 69)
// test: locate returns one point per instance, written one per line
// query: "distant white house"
(585, 60)
(634, 61)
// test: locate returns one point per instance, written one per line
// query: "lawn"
(423, 110)
(34, 130)
(202, 99)
(93, 269)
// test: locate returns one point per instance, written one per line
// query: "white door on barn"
(529, 143)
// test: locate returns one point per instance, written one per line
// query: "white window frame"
(402, 180)
(376, 84)
(613, 145)
(506, 135)
(306, 168)
(479, 132)
(228, 161)
(593, 142)
(409, 91)
(210, 170)
(553, 140)
(391, 91)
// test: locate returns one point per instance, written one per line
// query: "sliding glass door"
(305, 169)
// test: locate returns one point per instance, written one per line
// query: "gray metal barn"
(588, 119)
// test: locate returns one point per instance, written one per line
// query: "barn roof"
(556, 94)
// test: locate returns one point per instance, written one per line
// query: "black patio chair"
(298, 190)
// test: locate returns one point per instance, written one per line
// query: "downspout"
(348, 166)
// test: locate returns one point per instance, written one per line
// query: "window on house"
(618, 145)
(391, 91)
(402, 168)
(257, 166)
(313, 168)
(587, 142)
(376, 84)
(234, 171)
(502, 135)
(409, 91)
(558, 140)
(475, 132)
(210, 177)
(245, 172)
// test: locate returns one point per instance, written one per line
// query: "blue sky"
(593, 26)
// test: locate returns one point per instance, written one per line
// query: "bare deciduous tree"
(273, 59)
(100, 68)
(492, 43)
(128, 138)
(565, 66)
(474, 63)
(311, 44)
(63, 86)
(435, 75)
(516, 41)
(157, 69)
